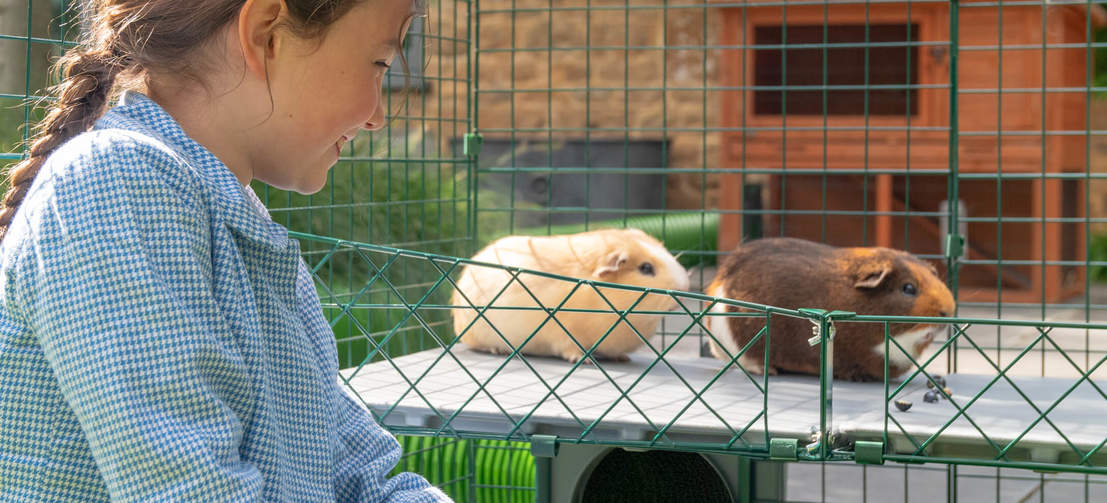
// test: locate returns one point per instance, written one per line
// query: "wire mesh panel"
(1002, 413)
(962, 132)
(32, 35)
(453, 390)
(906, 483)
(594, 114)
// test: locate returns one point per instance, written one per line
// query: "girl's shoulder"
(101, 178)
(119, 158)
(105, 186)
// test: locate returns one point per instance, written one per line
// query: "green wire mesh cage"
(967, 133)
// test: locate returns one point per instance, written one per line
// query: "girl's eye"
(384, 65)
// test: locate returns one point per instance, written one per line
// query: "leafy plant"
(1097, 252)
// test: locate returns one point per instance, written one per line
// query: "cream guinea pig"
(624, 256)
(794, 273)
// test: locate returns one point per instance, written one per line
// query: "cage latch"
(955, 246)
(472, 144)
(816, 332)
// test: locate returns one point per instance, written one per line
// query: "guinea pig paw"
(574, 357)
(756, 368)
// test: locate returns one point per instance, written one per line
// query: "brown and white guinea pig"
(794, 273)
(624, 256)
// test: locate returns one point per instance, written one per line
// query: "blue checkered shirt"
(161, 338)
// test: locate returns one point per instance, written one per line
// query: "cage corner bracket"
(543, 446)
(783, 449)
(868, 453)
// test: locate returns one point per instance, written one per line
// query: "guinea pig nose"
(944, 314)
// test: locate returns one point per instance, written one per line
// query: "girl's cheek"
(374, 99)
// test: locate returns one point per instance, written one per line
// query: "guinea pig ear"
(611, 263)
(872, 276)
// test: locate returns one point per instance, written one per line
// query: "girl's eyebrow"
(392, 46)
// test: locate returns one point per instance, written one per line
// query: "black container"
(600, 179)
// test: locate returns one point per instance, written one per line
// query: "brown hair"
(130, 37)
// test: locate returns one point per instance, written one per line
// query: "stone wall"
(601, 73)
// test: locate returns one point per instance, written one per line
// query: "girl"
(160, 337)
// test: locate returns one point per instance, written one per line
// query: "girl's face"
(325, 90)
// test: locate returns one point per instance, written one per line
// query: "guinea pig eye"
(646, 268)
(909, 289)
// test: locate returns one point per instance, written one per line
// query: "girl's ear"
(257, 22)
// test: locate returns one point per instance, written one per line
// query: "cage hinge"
(472, 144)
(783, 449)
(955, 246)
(868, 453)
(543, 446)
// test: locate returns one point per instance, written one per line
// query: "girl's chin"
(304, 181)
(307, 187)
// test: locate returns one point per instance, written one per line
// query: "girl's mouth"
(339, 144)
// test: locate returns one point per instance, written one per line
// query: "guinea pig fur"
(624, 256)
(794, 273)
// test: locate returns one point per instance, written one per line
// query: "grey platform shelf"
(585, 405)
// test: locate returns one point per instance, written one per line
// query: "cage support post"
(826, 385)
(953, 250)
(823, 336)
(544, 449)
(745, 480)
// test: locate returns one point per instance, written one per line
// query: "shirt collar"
(236, 205)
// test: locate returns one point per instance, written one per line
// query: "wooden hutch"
(874, 168)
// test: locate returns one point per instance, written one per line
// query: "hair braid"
(88, 80)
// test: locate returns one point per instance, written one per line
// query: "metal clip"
(837, 439)
(816, 332)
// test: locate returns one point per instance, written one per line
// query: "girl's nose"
(376, 121)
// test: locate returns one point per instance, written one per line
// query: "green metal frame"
(419, 308)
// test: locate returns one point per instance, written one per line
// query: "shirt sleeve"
(364, 452)
(119, 296)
